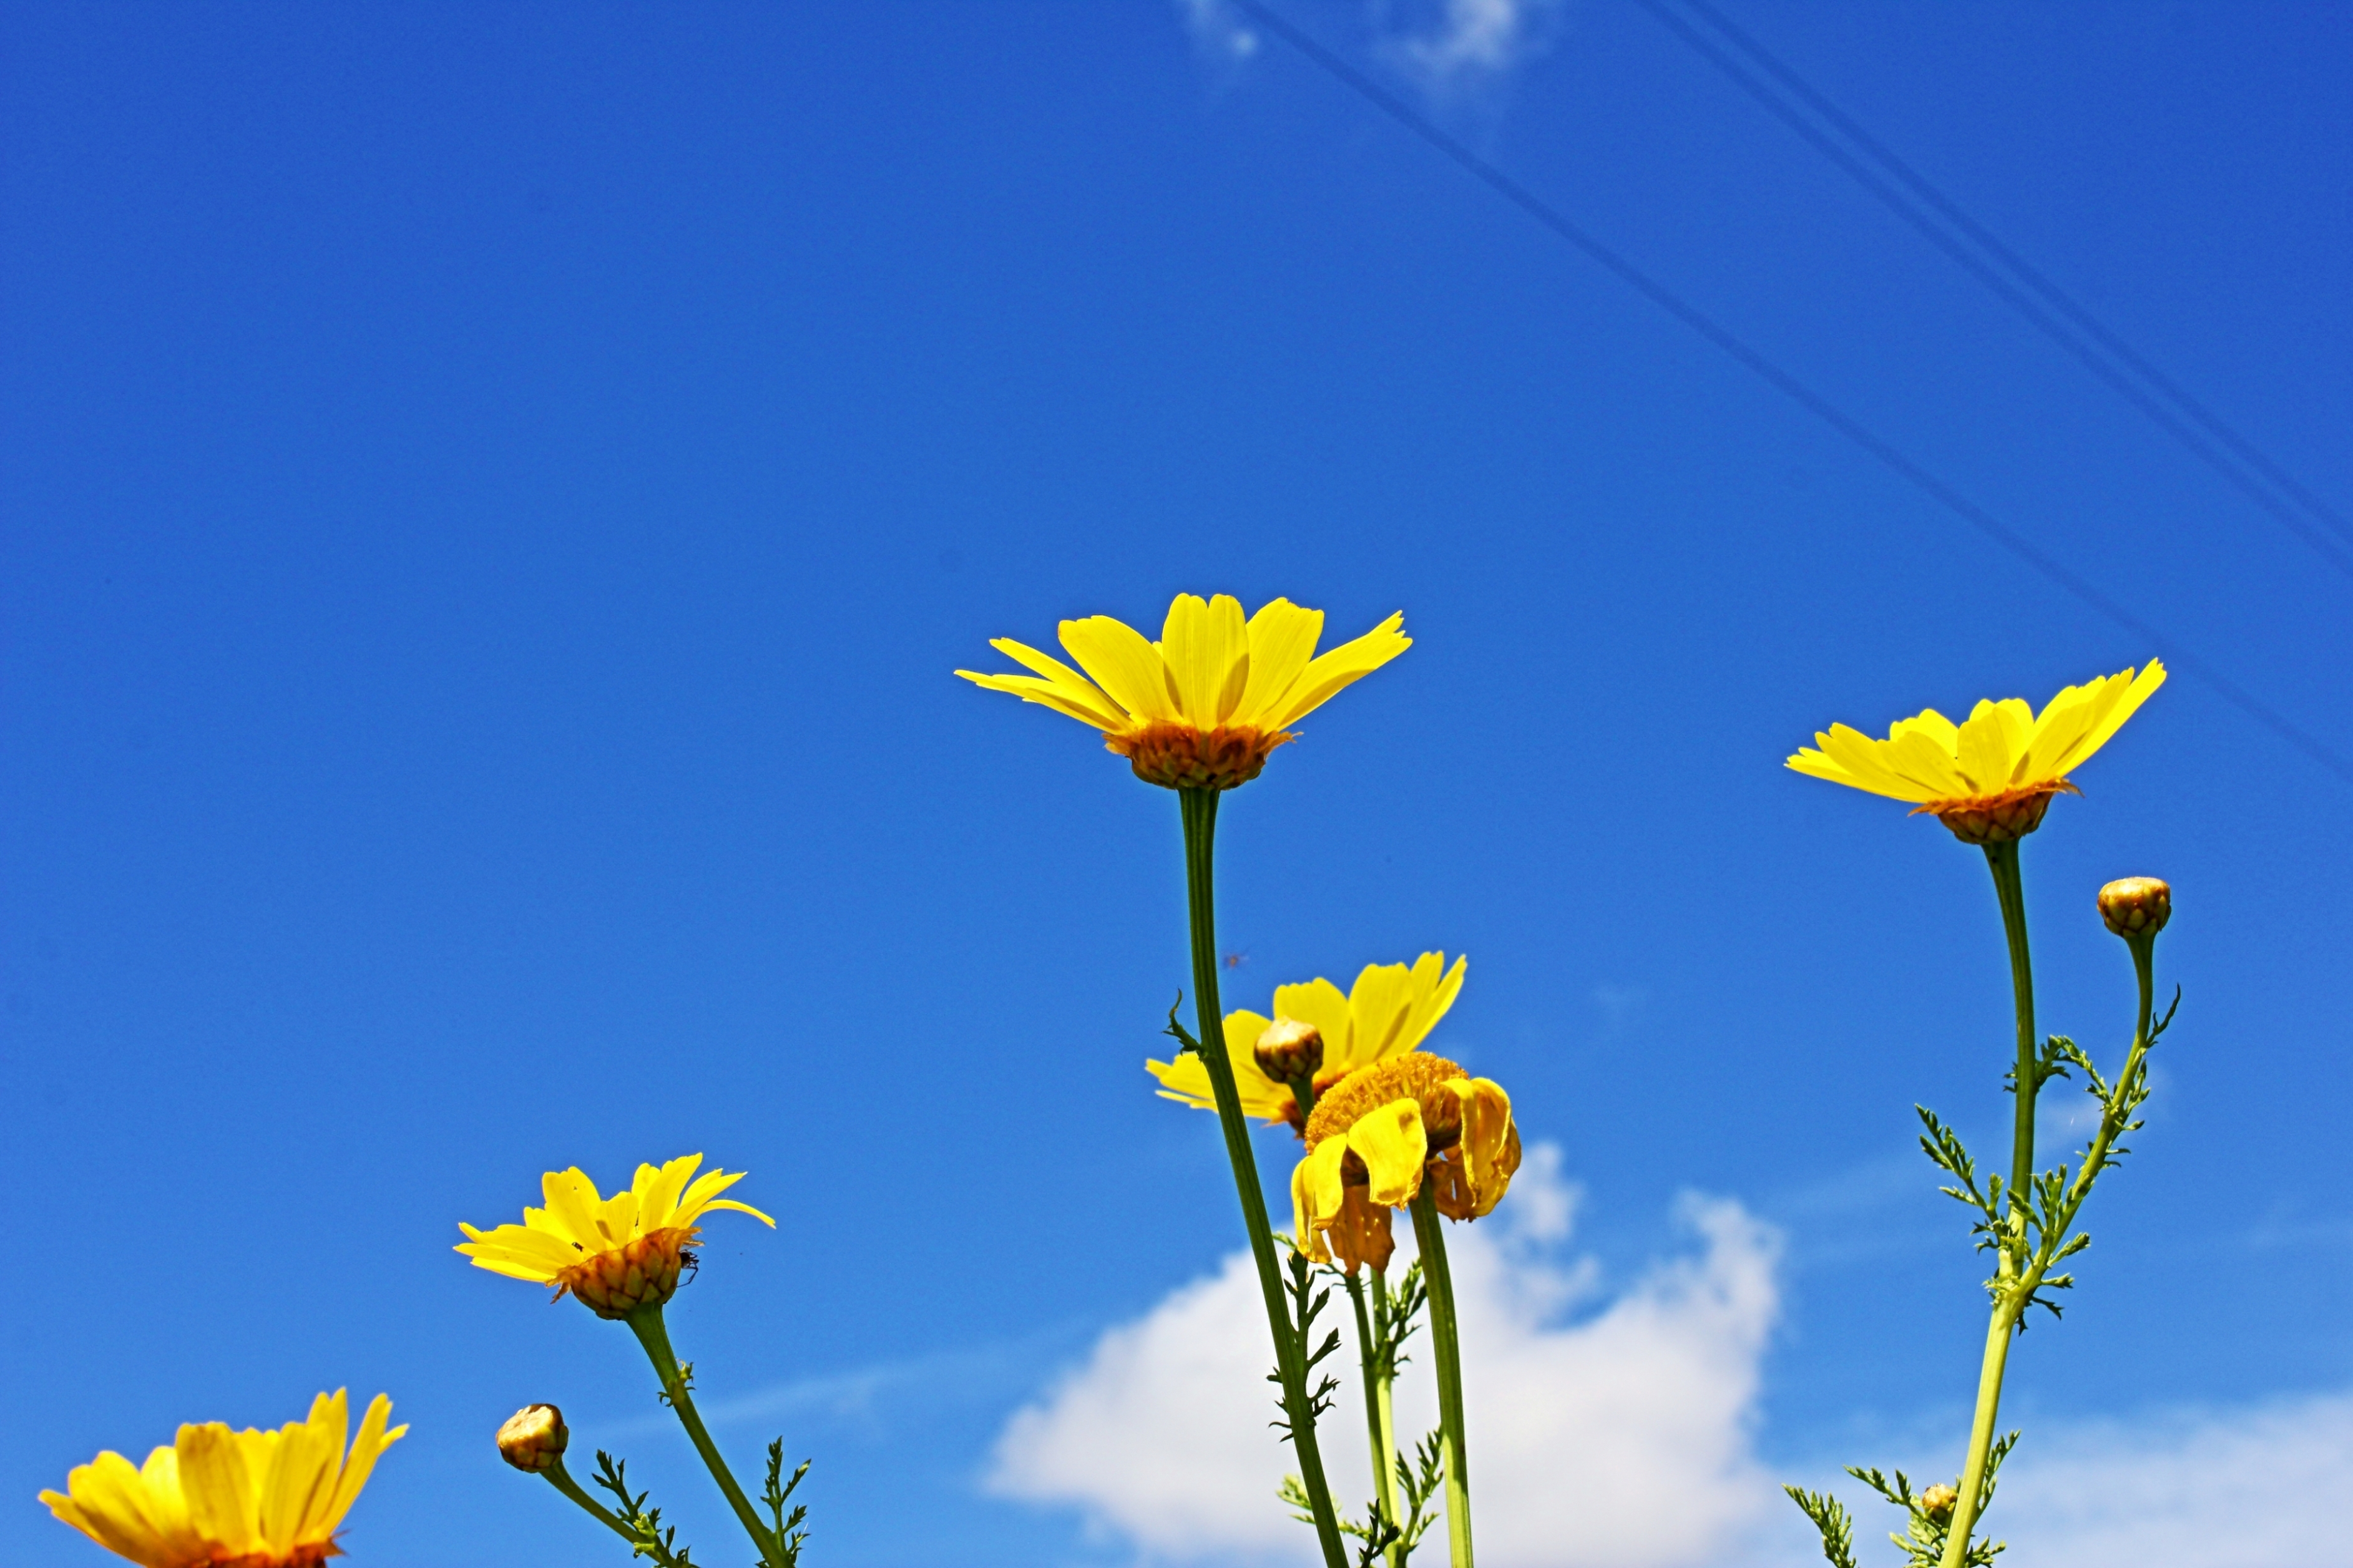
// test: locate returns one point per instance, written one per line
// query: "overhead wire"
(2026, 272)
(1780, 380)
(2125, 378)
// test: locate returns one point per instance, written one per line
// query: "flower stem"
(1385, 1400)
(560, 1479)
(2003, 859)
(647, 1324)
(1378, 1359)
(2025, 1084)
(1446, 1346)
(1999, 1335)
(1199, 809)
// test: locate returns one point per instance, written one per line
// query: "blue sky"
(492, 499)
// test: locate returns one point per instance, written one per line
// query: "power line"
(2020, 295)
(2025, 271)
(1780, 380)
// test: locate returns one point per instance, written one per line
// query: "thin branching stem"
(560, 1479)
(646, 1322)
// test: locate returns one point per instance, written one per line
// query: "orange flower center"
(1177, 755)
(1414, 1076)
(642, 1273)
(1996, 818)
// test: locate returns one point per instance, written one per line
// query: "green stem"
(1445, 1343)
(1373, 1355)
(647, 1324)
(2012, 1261)
(1387, 1403)
(2117, 1112)
(1199, 810)
(1972, 1488)
(2003, 859)
(560, 1479)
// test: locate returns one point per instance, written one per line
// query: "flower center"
(1996, 818)
(1415, 1076)
(644, 1272)
(1177, 755)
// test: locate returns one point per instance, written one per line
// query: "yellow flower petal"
(1316, 1195)
(1061, 686)
(1343, 666)
(1283, 639)
(1206, 645)
(110, 1500)
(581, 1237)
(1121, 660)
(1990, 776)
(1186, 1079)
(1205, 706)
(372, 1440)
(2122, 706)
(1490, 1145)
(1320, 1003)
(1391, 1143)
(254, 1498)
(1391, 1011)
(219, 1492)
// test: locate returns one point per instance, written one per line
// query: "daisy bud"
(2134, 905)
(1937, 1502)
(535, 1439)
(1288, 1050)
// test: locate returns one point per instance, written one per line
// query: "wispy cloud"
(1447, 45)
(1610, 1431)
(1218, 30)
(1472, 41)
(978, 1374)
(2252, 1487)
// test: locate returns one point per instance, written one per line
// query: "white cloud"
(2257, 1487)
(1617, 1434)
(1474, 38)
(1616, 1430)
(1217, 30)
(1444, 44)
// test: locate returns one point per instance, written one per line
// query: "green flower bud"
(2136, 904)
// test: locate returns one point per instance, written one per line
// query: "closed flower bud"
(1937, 1502)
(535, 1439)
(2134, 905)
(1288, 1050)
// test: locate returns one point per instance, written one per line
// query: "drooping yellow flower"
(218, 1498)
(1379, 1135)
(1202, 708)
(1989, 778)
(617, 1253)
(1389, 1011)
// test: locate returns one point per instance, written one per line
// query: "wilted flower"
(1379, 1135)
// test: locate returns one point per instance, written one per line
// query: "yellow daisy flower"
(615, 1254)
(1383, 1131)
(1202, 708)
(1989, 778)
(218, 1498)
(1389, 1011)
